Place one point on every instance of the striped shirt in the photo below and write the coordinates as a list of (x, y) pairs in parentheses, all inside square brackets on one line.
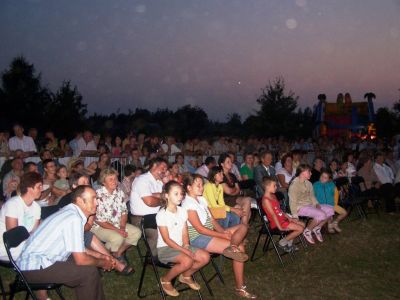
[(54, 240), (199, 205)]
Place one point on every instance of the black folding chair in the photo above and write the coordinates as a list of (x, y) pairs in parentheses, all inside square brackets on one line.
[(269, 239), (13, 238), (356, 198), (150, 259)]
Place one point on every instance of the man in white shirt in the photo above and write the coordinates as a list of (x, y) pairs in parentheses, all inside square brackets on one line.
[(86, 147), (204, 169), (386, 179), (170, 147), (145, 198), (22, 142)]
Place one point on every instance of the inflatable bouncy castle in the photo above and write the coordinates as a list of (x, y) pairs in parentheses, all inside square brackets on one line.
[(345, 118)]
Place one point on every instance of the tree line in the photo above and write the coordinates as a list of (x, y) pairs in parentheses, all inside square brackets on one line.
[(25, 99)]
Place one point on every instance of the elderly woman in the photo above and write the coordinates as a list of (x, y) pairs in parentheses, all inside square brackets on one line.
[(112, 215)]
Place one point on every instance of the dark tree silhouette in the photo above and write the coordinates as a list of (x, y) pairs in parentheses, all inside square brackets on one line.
[(23, 98), (66, 112), (277, 111)]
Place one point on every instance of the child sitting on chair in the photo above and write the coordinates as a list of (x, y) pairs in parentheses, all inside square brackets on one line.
[(277, 218), (173, 241)]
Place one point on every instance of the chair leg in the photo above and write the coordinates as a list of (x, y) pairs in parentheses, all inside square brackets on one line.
[(198, 292), (3, 291), (217, 271), (255, 246), (302, 241), (206, 282), (162, 293), (266, 243), (27, 296), (277, 252), (141, 280), (12, 290), (58, 291)]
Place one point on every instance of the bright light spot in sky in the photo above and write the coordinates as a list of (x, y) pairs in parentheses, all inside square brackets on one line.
[(291, 23), (141, 9), (301, 3), (239, 82)]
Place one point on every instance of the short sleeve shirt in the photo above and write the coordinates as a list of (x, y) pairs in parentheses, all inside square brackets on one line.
[(175, 223), (110, 207), (27, 216), (142, 186), (201, 207)]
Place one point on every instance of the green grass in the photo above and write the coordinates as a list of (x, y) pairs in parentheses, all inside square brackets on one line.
[(363, 262)]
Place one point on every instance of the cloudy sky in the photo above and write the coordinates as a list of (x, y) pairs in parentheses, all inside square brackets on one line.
[(216, 54)]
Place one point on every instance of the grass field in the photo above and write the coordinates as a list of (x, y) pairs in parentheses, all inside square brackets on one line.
[(363, 262)]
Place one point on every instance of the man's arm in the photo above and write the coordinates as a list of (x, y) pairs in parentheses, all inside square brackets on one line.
[(153, 200), (84, 259)]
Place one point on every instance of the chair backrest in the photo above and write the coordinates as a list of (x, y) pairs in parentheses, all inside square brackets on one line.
[(341, 181), (262, 214), (15, 236)]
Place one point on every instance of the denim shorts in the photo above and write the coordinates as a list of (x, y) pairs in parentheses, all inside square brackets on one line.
[(201, 241)]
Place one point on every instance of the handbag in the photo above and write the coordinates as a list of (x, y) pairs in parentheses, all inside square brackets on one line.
[(218, 212)]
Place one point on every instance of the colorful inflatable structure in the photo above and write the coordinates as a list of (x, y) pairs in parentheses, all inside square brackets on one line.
[(345, 118)]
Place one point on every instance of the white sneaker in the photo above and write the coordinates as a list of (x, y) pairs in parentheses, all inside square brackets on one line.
[(331, 229), (335, 226)]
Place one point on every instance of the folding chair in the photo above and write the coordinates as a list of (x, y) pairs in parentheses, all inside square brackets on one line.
[(150, 259), (270, 233), (351, 196), (13, 238)]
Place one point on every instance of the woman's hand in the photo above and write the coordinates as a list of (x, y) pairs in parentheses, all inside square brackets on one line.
[(227, 235), (237, 211), (122, 232), (188, 252)]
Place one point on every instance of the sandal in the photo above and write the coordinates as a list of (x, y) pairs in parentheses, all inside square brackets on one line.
[(233, 252), (190, 282), (173, 292), (242, 292), (128, 270), (121, 259)]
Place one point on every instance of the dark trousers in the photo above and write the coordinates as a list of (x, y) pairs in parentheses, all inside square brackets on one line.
[(387, 192), (85, 280), (151, 234)]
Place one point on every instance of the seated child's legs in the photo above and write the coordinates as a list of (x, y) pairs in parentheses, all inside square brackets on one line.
[(328, 210), (342, 213), (312, 212), (295, 231)]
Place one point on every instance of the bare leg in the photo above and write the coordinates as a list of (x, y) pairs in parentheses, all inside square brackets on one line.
[(296, 230), (183, 263), (218, 245), (122, 249), (201, 258), (245, 204), (239, 233)]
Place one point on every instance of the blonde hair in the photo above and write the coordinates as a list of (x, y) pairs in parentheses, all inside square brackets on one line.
[(105, 173)]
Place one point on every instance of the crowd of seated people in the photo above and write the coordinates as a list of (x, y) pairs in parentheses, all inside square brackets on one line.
[(210, 195)]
